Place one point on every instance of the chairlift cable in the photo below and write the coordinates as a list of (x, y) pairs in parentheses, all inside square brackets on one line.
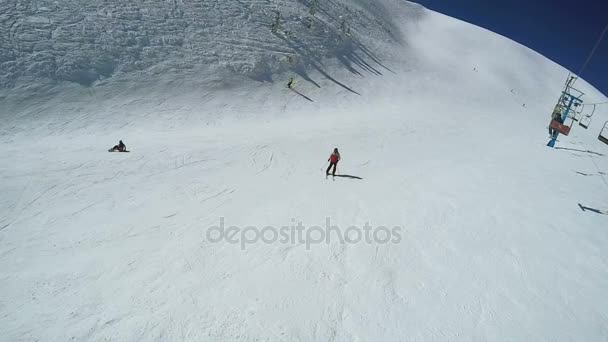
[(596, 104), (597, 44)]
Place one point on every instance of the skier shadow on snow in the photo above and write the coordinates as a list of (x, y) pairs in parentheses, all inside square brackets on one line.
[(304, 96), (349, 176), (597, 211)]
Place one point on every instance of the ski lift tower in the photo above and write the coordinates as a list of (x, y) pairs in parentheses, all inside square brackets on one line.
[(566, 106)]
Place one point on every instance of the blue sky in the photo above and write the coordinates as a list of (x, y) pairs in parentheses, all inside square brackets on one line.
[(564, 31)]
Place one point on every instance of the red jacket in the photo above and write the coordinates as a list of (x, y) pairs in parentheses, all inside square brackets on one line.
[(334, 158)]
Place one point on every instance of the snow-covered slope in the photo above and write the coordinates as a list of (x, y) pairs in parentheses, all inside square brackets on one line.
[(84, 41), (427, 111)]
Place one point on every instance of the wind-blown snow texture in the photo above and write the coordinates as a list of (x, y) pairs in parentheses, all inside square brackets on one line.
[(427, 110), (84, 41)]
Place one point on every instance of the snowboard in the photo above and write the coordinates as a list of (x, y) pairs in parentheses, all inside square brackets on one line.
[(111, 150)]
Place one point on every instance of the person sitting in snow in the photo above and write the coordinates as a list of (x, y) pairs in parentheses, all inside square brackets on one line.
[(333, 160), (121, 147)]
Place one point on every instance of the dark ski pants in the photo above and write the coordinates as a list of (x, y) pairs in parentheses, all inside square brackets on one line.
[(333, 173)]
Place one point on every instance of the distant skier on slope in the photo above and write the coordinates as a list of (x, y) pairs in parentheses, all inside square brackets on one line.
[(290, 83), (333, 160), (121, 147)]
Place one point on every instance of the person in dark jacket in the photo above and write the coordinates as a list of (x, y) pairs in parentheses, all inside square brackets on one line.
[(121, 147), (557, 116)]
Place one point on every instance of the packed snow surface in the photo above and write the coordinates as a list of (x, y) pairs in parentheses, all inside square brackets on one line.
[(441, 125)]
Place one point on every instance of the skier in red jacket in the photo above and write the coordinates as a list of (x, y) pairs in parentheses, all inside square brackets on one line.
[(333, 160)]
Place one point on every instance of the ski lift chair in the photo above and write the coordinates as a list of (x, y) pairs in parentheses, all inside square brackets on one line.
[(556, 125), (586, 119), (566, 108), (560, 127), (603, 137), (577, 112)]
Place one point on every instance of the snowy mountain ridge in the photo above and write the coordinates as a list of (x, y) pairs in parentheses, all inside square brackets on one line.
[(86, 41)]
